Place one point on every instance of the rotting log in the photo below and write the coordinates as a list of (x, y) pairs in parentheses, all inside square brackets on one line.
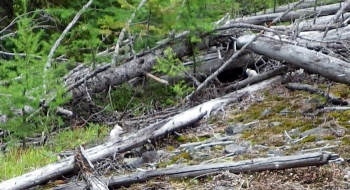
[(311, 61), (254, 165), (152, 132)]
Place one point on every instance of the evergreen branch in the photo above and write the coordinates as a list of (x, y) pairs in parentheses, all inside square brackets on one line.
[(14, 21), (11, 34), (122, 33), (58, 41)]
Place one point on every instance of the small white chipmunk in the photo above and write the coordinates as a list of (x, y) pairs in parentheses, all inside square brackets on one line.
[(115, 132), (251, 72)]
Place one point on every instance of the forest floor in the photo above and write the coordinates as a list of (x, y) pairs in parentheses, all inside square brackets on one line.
[(272, 122), (282, 122)]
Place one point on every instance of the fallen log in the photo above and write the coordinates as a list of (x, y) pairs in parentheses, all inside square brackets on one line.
[(311, 61), (292, 15), (152, 132), (318, 24), (303, 5), (255, 165), (341, 33)]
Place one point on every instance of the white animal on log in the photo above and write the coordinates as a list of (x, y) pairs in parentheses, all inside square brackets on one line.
[(115, 132), (251, 72)]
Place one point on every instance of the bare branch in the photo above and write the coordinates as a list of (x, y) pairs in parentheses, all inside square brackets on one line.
[(337, 15), (64, 33), (156, 78), (122, 33)]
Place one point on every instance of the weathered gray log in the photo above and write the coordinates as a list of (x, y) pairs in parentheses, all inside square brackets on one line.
[(152, 132), (311, 61), (318, 11), (255, 165), (312, 24), (341, 33), (303, 5)]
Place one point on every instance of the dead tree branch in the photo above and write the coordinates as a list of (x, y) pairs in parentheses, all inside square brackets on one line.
[(255, 165)]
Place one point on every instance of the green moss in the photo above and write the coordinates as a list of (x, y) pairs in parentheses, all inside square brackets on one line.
[(254, 111), (345, 124), (310, 138), (203, 138), (192, 138), (346, 140), (239, 117), (341, 90), (246, 134), (329, 137), (334, 114), (318, 121), (278, 98), (306, 127), (323, 86), (162, 164), (170, 148), (260, 139), (346, 114), (342, 117), (184, 155), (181, 138), (279, 107)]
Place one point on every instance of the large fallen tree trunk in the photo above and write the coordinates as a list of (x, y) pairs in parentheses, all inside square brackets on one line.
[(153, 132), (255, 165), (311, 61)]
